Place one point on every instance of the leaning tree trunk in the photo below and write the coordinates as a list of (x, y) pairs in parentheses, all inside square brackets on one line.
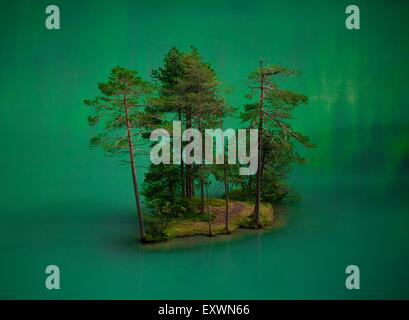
[(134, 177)]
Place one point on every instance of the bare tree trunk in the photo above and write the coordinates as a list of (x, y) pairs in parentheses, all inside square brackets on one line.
[(226, 183), (208, 214), (182, 174), (202, 195), (226, 197), (134, 177), (260, 146), (188, 185), (182, 179), (202, 173)]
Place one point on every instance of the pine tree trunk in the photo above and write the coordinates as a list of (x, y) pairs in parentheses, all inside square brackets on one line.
[(226, 196), (260, 145), (182, 179), (134, 177), (202, 195), (208, 214), (189, 173), (202, 173), (226, 184), (182, 174)]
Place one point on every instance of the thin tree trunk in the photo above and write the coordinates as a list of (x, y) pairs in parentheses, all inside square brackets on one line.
[(226, 196), (134, 177), (182, 179), (182, 174), (226, 184), (188, 184), (208, 213), (202, 173), (202, 195), (260, 144)]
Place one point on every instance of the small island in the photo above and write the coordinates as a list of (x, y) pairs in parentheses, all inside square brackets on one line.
[(240, 215), (198, 144)]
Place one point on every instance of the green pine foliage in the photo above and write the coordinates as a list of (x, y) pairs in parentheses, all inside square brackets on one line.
[(279, 139), (185, 88)]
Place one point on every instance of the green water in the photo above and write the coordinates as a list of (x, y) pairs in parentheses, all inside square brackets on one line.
[(63, 204)]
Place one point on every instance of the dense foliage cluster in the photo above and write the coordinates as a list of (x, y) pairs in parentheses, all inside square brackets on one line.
[(186, 89)]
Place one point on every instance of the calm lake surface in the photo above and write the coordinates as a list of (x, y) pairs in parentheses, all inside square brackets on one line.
[(62, 203)]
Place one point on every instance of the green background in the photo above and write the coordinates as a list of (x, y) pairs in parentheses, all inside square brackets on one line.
[(62, 203)]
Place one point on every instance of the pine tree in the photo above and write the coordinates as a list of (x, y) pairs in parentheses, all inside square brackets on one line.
[(197, 93), (167, 78), (271, 115), (188, 91), (122, 115)]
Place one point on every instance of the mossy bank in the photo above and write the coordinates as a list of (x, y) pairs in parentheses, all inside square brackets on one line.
[(240, 216)]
